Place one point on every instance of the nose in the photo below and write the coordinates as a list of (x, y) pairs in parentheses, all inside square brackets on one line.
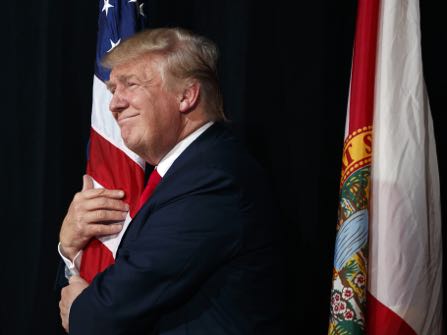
[(118, 103)]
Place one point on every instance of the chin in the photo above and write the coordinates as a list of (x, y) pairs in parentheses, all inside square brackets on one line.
[(133, 146), (130, 145), (128, 141)]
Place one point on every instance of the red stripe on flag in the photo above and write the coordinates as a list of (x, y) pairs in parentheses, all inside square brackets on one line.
[(381, 320), (113, 169), (106, 160), (96, 258), (361, 102)]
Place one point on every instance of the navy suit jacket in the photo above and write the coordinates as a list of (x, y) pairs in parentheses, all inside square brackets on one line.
[(198, 258)]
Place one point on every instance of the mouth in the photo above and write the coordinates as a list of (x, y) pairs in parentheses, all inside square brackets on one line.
[(123, 119)]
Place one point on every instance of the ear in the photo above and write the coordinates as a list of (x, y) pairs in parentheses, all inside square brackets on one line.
[(189, 97)]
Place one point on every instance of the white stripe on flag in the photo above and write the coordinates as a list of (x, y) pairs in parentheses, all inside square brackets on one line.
[(104, 123)]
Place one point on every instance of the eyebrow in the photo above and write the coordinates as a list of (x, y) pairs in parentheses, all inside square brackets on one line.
[(121, 78)]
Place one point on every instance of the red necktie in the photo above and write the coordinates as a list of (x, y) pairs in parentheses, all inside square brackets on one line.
[(152, 183), (96, 256)]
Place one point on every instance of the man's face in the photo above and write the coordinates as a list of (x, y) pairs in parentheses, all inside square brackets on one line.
[(147, 111)]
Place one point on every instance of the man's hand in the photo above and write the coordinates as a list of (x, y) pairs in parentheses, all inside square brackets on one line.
[(92, 213), (68, 295)]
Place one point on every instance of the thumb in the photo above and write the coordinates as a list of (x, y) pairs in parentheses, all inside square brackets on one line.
[(87, 182)]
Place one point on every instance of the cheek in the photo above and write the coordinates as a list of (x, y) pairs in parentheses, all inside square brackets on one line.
[(151, 110), (136, 103)]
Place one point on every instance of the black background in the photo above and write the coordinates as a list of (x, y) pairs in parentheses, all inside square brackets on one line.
[(284, 71)]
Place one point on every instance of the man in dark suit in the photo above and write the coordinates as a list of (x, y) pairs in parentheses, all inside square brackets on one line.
[(199, 257)]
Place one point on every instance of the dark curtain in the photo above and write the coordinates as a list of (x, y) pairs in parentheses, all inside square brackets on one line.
[(284, 71)]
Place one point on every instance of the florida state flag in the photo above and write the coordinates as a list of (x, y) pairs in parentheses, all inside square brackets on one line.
[(388, 258)]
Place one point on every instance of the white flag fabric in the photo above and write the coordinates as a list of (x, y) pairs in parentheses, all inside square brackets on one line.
[(405, 240)]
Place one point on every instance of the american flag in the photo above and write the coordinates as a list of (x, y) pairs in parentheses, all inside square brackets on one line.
[(110, 163)]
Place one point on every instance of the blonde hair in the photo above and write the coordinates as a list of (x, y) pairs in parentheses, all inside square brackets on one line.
[(185, 56)]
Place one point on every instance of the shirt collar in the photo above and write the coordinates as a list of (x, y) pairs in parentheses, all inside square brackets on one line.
[(172, 155)]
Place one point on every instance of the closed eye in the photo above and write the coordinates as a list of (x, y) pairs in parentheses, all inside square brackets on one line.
[(111, 87)]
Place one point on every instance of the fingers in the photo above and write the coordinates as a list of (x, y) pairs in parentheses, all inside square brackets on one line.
[(100, 192), (106, 203), (87, 182), (64, 310), (87, 185), (94, 206), (104, 216), (64, 318), (92, 213), (104, 229)]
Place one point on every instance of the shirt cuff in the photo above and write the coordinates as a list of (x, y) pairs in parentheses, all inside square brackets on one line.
[(71, 267)]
